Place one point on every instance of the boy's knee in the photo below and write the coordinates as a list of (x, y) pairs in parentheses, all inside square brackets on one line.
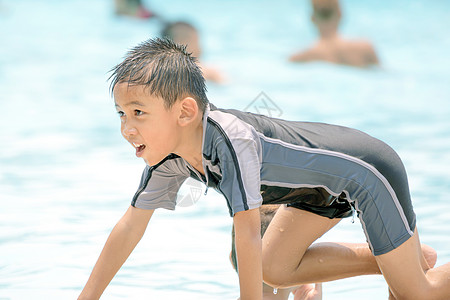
[(269, 270), (274, 275), (273, 279)]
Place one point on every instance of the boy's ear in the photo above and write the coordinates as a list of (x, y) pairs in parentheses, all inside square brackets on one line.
[(188, 111)]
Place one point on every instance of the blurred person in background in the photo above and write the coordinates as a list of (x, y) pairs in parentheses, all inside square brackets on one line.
[(132, 8), (184, 33), (332, 47)]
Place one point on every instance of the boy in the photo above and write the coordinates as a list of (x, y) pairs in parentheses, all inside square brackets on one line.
[(160, 96), (331, 46)]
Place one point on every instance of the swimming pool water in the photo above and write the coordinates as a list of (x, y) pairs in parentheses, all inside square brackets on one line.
[(66, 175)]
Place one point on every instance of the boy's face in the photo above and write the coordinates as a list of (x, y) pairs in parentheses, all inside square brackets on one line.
[(146, 123)]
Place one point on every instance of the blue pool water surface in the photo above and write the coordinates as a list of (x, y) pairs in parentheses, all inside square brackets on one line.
[(67, 176)]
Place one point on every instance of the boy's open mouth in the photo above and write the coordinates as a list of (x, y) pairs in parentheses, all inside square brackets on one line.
[(139, 149)]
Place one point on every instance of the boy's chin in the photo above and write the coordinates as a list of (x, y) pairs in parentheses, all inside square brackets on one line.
[(152, 161)]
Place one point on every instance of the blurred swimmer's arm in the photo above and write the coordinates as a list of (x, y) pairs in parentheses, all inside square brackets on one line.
[(121, 242), (212, 74), (361, 53), (304, 56), (247, 226), (371, 55)]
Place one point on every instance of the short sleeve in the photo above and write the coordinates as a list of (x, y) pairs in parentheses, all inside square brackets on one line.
[(240, 182), (160, 184), (238, 149)]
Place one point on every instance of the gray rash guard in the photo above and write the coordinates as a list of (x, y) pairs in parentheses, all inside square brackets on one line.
[(254, 159)]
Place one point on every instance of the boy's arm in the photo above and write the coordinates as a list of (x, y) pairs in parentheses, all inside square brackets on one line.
[(247, 226), (121, 242)]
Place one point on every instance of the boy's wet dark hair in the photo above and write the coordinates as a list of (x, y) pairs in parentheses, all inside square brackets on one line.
[(165, 69)]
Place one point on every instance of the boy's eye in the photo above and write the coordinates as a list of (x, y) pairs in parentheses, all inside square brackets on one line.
[(120, 113), (138, 112)]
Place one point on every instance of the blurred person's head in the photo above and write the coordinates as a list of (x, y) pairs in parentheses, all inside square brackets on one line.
[(185, 34), (326, 16)]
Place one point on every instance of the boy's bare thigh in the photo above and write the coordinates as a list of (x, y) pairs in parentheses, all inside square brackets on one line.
[(286, 240)]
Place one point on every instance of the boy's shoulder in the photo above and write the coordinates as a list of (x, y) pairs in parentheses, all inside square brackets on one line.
[(230, 123)]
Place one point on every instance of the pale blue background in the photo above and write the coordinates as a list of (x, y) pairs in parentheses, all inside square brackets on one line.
[(67, 176)]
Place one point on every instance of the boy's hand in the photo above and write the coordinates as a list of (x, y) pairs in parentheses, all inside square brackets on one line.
[(247, 226)]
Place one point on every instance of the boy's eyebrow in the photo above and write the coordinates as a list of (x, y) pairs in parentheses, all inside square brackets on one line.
[(137, 103)]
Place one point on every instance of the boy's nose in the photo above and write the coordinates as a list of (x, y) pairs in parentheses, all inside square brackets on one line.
[(128, 131)]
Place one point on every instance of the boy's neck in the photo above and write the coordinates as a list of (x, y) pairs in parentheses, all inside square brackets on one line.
[(191, 145)]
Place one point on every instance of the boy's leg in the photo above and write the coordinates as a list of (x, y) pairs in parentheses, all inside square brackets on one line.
[(403, 271), (287, 261)]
